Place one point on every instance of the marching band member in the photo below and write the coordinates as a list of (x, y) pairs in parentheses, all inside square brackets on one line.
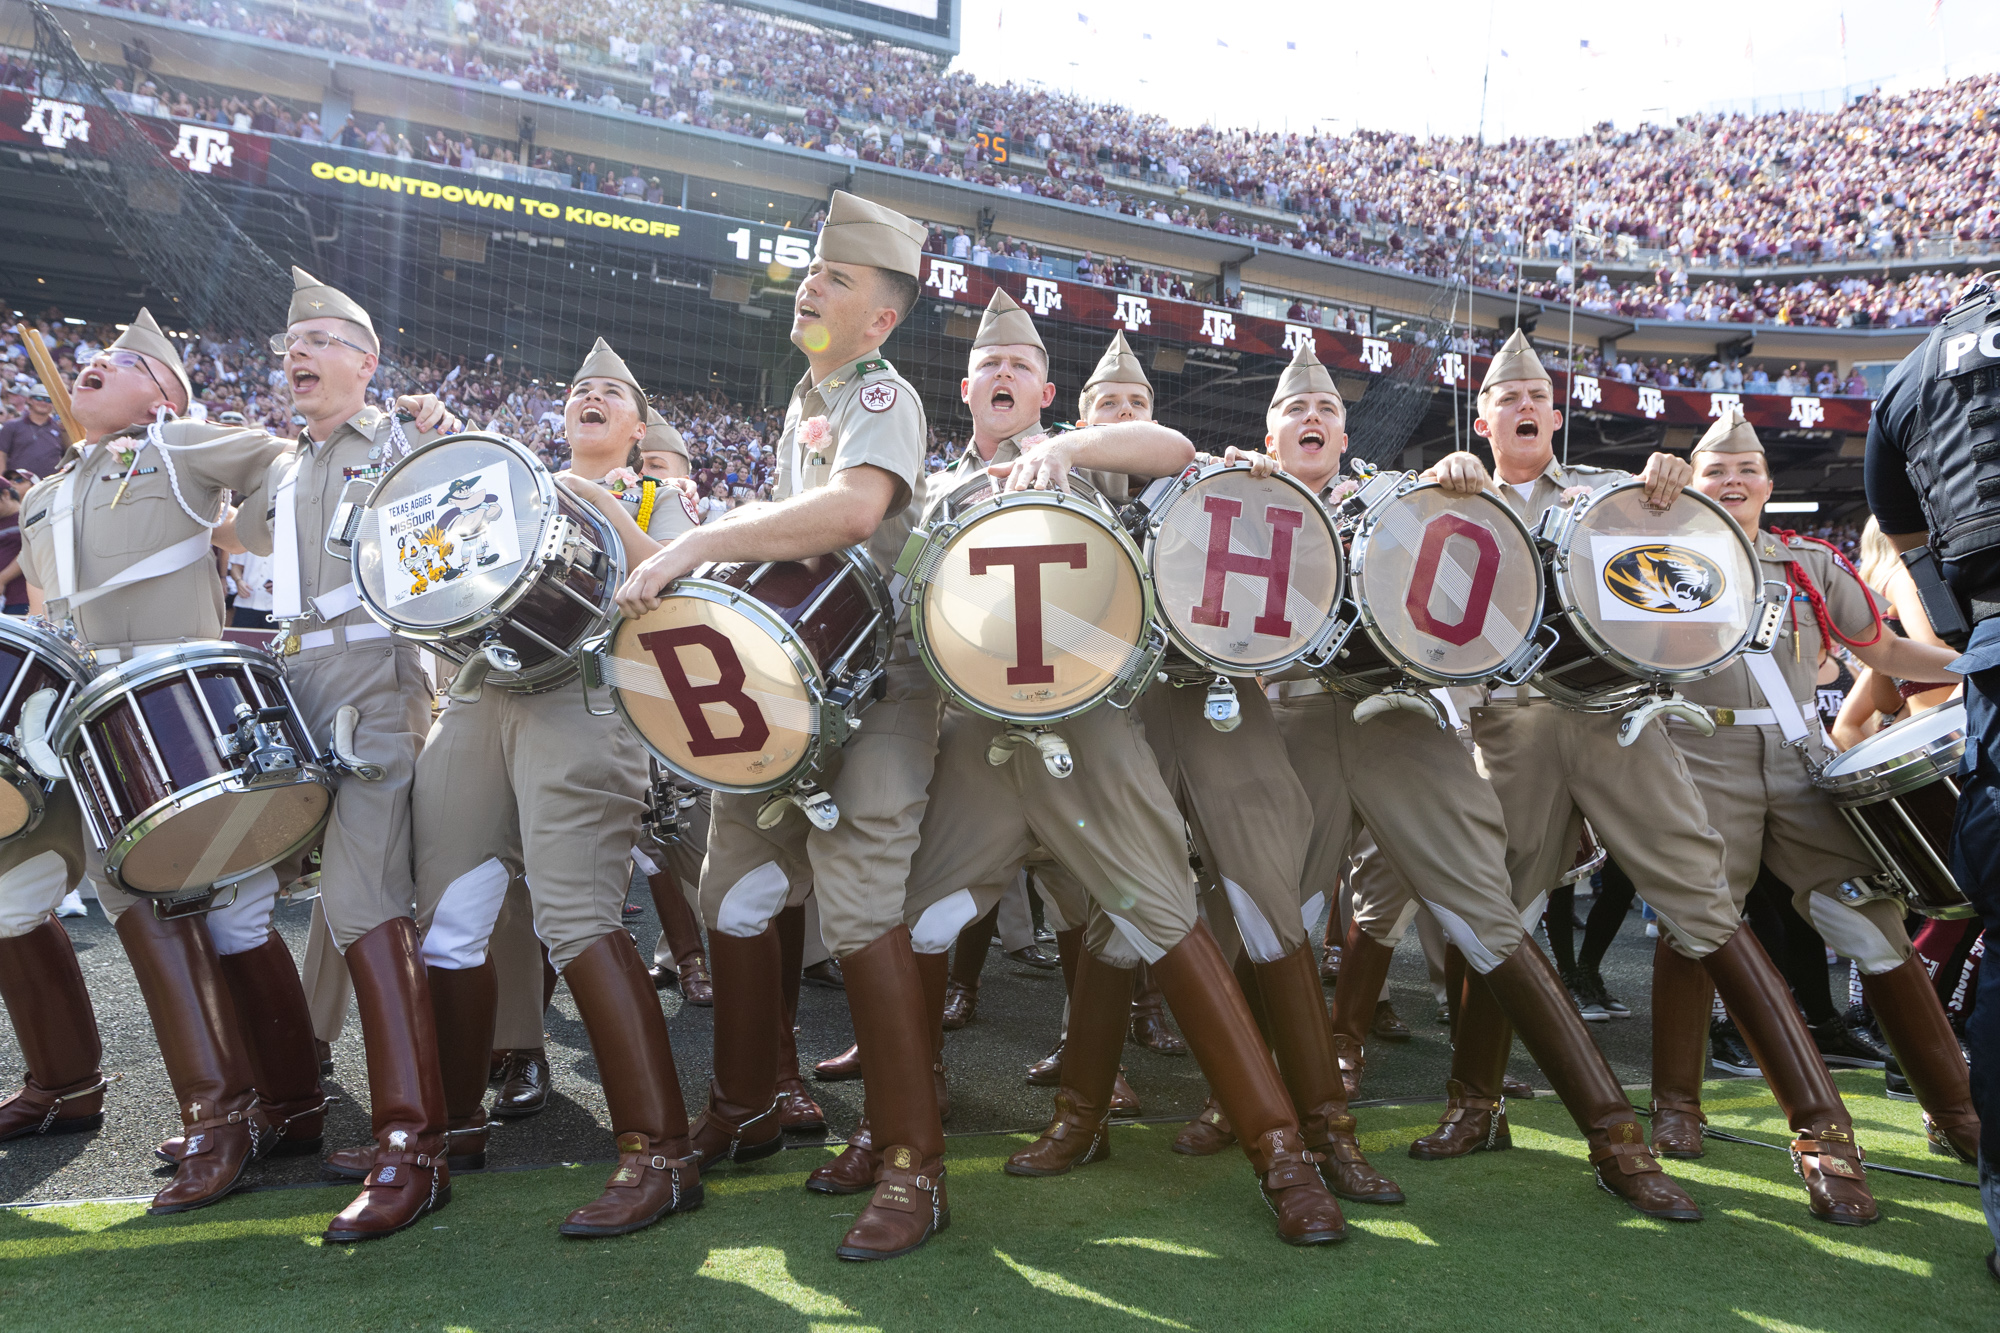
[(540, 768), (1113, 825), (118, 544), (850, 472), (1760, 797), (1547, 763), (330, 353), (1439, 824)]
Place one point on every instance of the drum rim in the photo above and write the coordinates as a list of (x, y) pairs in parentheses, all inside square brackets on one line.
[(1900, 773), (1097, 510), (1557, 570), (38, 638), (524, 580), (1370, 520), (34, 788), (1185, 481), (701, 589), (127, 836), (142, 669)]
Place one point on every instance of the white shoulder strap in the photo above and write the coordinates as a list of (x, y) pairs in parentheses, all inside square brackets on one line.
[(286, 603), (1770, 680), (166, 560), (62, 525)]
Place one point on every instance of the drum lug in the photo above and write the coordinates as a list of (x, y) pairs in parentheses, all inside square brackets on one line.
[(1324, 653), (1671, 704), (259, 741), (1522, 674), (815, 804), (1223, 709), (1776, 597)]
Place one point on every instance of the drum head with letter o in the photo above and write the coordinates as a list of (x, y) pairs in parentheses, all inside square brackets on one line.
[(1448, 585), (1246, 572), (1036, 607), (1668, 594), (717, 687)]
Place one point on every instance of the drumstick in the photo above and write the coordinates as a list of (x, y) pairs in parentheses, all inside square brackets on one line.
[(45, 369)]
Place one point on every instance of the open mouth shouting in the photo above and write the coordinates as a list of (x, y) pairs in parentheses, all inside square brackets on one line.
[(1527, 428), (1732, 494), (1312, 439), (91, 378), (1002, 400), (591, 414), (304, 381)]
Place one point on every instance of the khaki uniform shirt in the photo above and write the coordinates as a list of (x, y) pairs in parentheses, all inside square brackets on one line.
[(1548, 488), (969, 466), (1797, 648), (208, 462), (875, 418), (669, 515), (357, 452)]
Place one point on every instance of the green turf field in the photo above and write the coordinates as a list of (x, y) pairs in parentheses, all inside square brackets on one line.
[(1516, 1240)]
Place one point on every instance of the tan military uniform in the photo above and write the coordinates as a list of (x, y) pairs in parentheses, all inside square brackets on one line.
[(538, 780), (1758, 793), (879, 778), (1112, 824), (1547, 763), (344, 657), (160, 522)]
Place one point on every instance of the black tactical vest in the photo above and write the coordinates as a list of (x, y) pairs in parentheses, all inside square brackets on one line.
[(1955, 459)]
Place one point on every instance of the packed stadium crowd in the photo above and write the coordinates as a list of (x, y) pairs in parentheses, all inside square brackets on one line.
[(1860, 184)]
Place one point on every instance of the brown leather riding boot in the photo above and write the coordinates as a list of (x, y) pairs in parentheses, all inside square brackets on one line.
[(1364, 968), (271, 1006), (42, 987), (657, 1172), (682, 928), (1207, 1134), (853, 1169), (1682, 1000), (798, 1113), (1243, 1078), (1475, 1117), (933, 970), (741, 1122), (842, 1068), (1080, 1132), (1149, 1017), (410, 1178), (1303, 1037), (968, 960), (1825, 1153), (208, 1061), (1527, 987), (891, 1018), (1906, 1008)]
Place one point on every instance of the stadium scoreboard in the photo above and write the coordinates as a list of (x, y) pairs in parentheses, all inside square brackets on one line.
[(929, 25)]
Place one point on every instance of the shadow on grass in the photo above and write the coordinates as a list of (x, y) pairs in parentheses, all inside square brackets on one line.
[(1145, 1240)]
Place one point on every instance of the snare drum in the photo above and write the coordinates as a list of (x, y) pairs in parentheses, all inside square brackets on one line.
[(468, 546), (1590, 858), (747, 676), (193, 768), (37, 664), (1246, 571), (1899, 789), (1644, 597), (1449, 591), (1033, 606)]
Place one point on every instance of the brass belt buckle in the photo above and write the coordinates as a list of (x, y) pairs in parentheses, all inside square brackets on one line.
[(1726, 716)]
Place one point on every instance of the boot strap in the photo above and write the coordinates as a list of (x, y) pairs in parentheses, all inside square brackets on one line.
[(1211, 1115), (1681, 1104), (1634, 1159), (194, 1137), (903, 1190), (1832, 1154), (1460, 1107), (56, 1099)]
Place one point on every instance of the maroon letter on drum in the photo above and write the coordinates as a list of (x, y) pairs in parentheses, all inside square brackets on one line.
[(1471, 622), (1027, 562), (665, 647), (1275, 569)]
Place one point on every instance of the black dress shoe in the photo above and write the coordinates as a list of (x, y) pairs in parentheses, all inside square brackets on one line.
[(826, 974), (1036, 956), (1841, 1045), (664, 977), (1727, 1051), (524, 1085), (324, 1049)]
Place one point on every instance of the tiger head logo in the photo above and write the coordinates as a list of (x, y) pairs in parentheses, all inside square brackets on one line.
[(1664, 579)]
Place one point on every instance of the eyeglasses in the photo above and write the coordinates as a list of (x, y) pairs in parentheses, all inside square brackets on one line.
[(125, 360), (282, 343)]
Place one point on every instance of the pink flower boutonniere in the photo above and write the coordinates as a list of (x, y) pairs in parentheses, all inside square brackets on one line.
[(816, 434), (619, 479), (1342, 491), (1571, 494)]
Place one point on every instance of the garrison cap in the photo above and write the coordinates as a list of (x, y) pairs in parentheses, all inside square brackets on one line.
[(1005, 324), (313, 299), (1516, 360), (661, 437), (1731, 434), (859, 232), (143, 335), (1118, 365), (605, 364), (1304, 375)]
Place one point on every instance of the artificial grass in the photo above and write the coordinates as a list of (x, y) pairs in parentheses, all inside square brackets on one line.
[(1148, 1239)]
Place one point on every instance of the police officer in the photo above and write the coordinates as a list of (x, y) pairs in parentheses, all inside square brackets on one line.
[(856, 477), (1933, 476), (1549, 763), (119, 545), (1760, 797), (337, 657)]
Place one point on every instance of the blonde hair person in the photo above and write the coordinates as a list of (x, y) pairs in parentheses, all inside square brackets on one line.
[(1882, 569)]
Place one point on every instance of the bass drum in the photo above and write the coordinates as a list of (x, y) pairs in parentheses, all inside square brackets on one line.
[(747, 676), (43, 672), (193, 767), (1033, 606), (1899, 791), (1246, 571), (469, 547), (1643, 597), (1449, 591)]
